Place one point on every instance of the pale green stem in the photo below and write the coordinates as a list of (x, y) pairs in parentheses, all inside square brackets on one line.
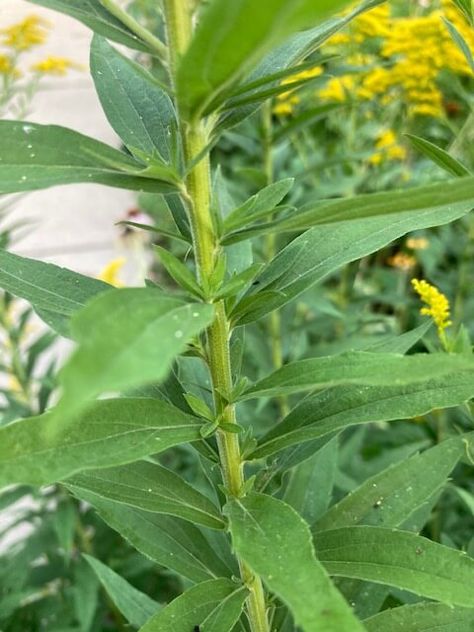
[(140, 31), (198, 190), (274, 323)]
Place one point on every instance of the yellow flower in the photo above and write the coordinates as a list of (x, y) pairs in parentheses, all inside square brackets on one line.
[(110, 273), (387, 148), (6, 65), (417, 243), (32, 31), (286, 101), (54, 66), (438, 304), (402, 261)]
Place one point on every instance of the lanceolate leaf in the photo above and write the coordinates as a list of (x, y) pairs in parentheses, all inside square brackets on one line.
[(127, 338), (94, 15), (212, 606), (47, 286), (36, 156), (169, 541), (438, 156), (151, 487), (137, 107), (392, 496), (274, 540), (323, 249), (400, 559), (340, 407), (135, 606), (422, 617), (294, 50), (219, 55), (111, 432), (358, 367)]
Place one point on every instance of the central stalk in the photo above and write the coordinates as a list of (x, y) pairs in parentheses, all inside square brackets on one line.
[(178, 17)]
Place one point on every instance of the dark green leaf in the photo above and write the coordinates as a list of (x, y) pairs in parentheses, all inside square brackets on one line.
[(127, 338), (135, 606), (400, 559), (219, 55), (47, 286), (96, 17), (336, 408), (137, 107), (40, 156), (151, 487), (214, 606), (358, 367), (111, 432), (275, 542), (392, 496), (422, 617), (169, 541), (323, 249), (438, 156)]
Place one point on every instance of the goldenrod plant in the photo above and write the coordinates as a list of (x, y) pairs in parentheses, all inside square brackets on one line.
[(253, 539)]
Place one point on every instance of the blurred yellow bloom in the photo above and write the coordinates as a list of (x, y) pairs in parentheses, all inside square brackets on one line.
[(417, 243), (387, 148), (54, 66), (402, 261), (414, 50), (286, 101), (438, 304), (6, 65), (30, 32), (111, 271)]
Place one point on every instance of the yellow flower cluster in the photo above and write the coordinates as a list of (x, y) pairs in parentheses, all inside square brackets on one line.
[(30, 32), (402, 261), (7, 66), (387, 148), (404, 57), (286, 101), (54, 66), (413, 51), (438, 304)]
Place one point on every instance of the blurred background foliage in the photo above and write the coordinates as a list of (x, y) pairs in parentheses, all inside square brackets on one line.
[(344, 126)]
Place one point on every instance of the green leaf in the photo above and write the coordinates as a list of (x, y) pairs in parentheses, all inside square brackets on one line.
[(293, 51), (179, 272), (259, 205), (40, 156), (135, 606), (218, 54), (321, 250), (151, 487), (173, 543), (337, 408), (239, 282), (94, 15), (213, 606), (275, 542), (358, 367), (47, 286), (401, 559), (111, 432), (463, 46), (127, 338), (310, 484), (438, 156), (137, 107), (390, 497), (422, 617)]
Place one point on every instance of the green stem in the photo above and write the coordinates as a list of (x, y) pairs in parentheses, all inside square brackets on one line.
[(136, 28), (206, 249), (274, 323)]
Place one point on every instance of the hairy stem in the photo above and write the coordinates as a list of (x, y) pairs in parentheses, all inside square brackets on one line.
[(206, 249)]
